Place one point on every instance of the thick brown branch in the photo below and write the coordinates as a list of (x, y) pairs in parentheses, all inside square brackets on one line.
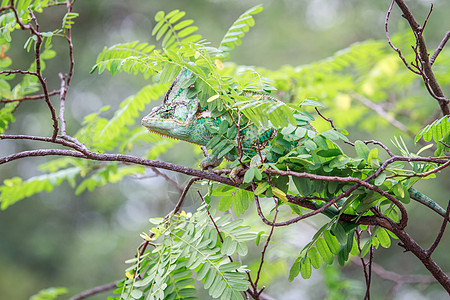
[(411, 245), (397, 229)]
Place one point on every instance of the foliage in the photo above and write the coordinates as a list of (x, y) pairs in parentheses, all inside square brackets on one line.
[(190, 243), (235, 33), (439, 131)]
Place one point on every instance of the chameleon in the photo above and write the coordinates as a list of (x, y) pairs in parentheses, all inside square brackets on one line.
[(181, 117)]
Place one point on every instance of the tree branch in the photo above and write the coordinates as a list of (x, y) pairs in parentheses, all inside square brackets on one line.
[(35, 31), (96, 290), (441, 232), (423, 57), (382, 113), (440, 47), (32, 97)]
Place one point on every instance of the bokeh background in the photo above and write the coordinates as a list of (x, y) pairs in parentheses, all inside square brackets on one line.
[(60, 239)]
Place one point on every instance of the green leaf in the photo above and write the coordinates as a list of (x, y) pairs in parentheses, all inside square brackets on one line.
[(295, 270), (329, 152), (159, 16), (314, 256), (362, 150), (237, 30), (379, 180), (383, 237), (49, 294), (401, 192), (332, 242), (279, 194), (230, 267), (209, 279), (261, 188), (324, 251), (249, 175), (225, 203), (303, 185), (372, 158), (305, 268), (229, 246), (203, 270)]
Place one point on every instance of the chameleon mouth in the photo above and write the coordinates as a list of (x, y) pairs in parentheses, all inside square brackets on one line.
[(162, 134), (171, 137), (156, 120)]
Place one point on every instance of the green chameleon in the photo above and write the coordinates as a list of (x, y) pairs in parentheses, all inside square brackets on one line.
[(181, 117)]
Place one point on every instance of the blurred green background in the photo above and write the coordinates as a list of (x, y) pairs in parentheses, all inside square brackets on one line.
[(78, 242)]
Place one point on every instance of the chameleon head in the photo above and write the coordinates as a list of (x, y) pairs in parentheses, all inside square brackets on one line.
[(176, 117), (171, 120)]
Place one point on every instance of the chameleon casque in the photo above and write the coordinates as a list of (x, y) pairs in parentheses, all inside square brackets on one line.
[(181, 117)]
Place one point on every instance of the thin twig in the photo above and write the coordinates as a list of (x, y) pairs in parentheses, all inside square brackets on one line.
[(62, 100), (326, 119), (69, 41), (6, 7), (35, 31), (440, 47), (397, 279), (382, 113), (32, 97), (182, 197), (425, 174), (386, 22), (369, 272), (212, 220), (426, 19), (403, 220), (168, 179), (9, 72), (96, 290), (263, 253), (363, 263), (441, 232), (381, 145), (59, 141)]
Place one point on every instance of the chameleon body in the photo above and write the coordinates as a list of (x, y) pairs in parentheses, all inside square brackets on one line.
[(181, 117)]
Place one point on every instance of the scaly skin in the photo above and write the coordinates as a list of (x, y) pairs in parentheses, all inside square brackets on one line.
[(181, 117)]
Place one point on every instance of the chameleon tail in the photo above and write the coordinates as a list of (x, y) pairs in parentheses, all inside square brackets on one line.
[(427, 201)]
